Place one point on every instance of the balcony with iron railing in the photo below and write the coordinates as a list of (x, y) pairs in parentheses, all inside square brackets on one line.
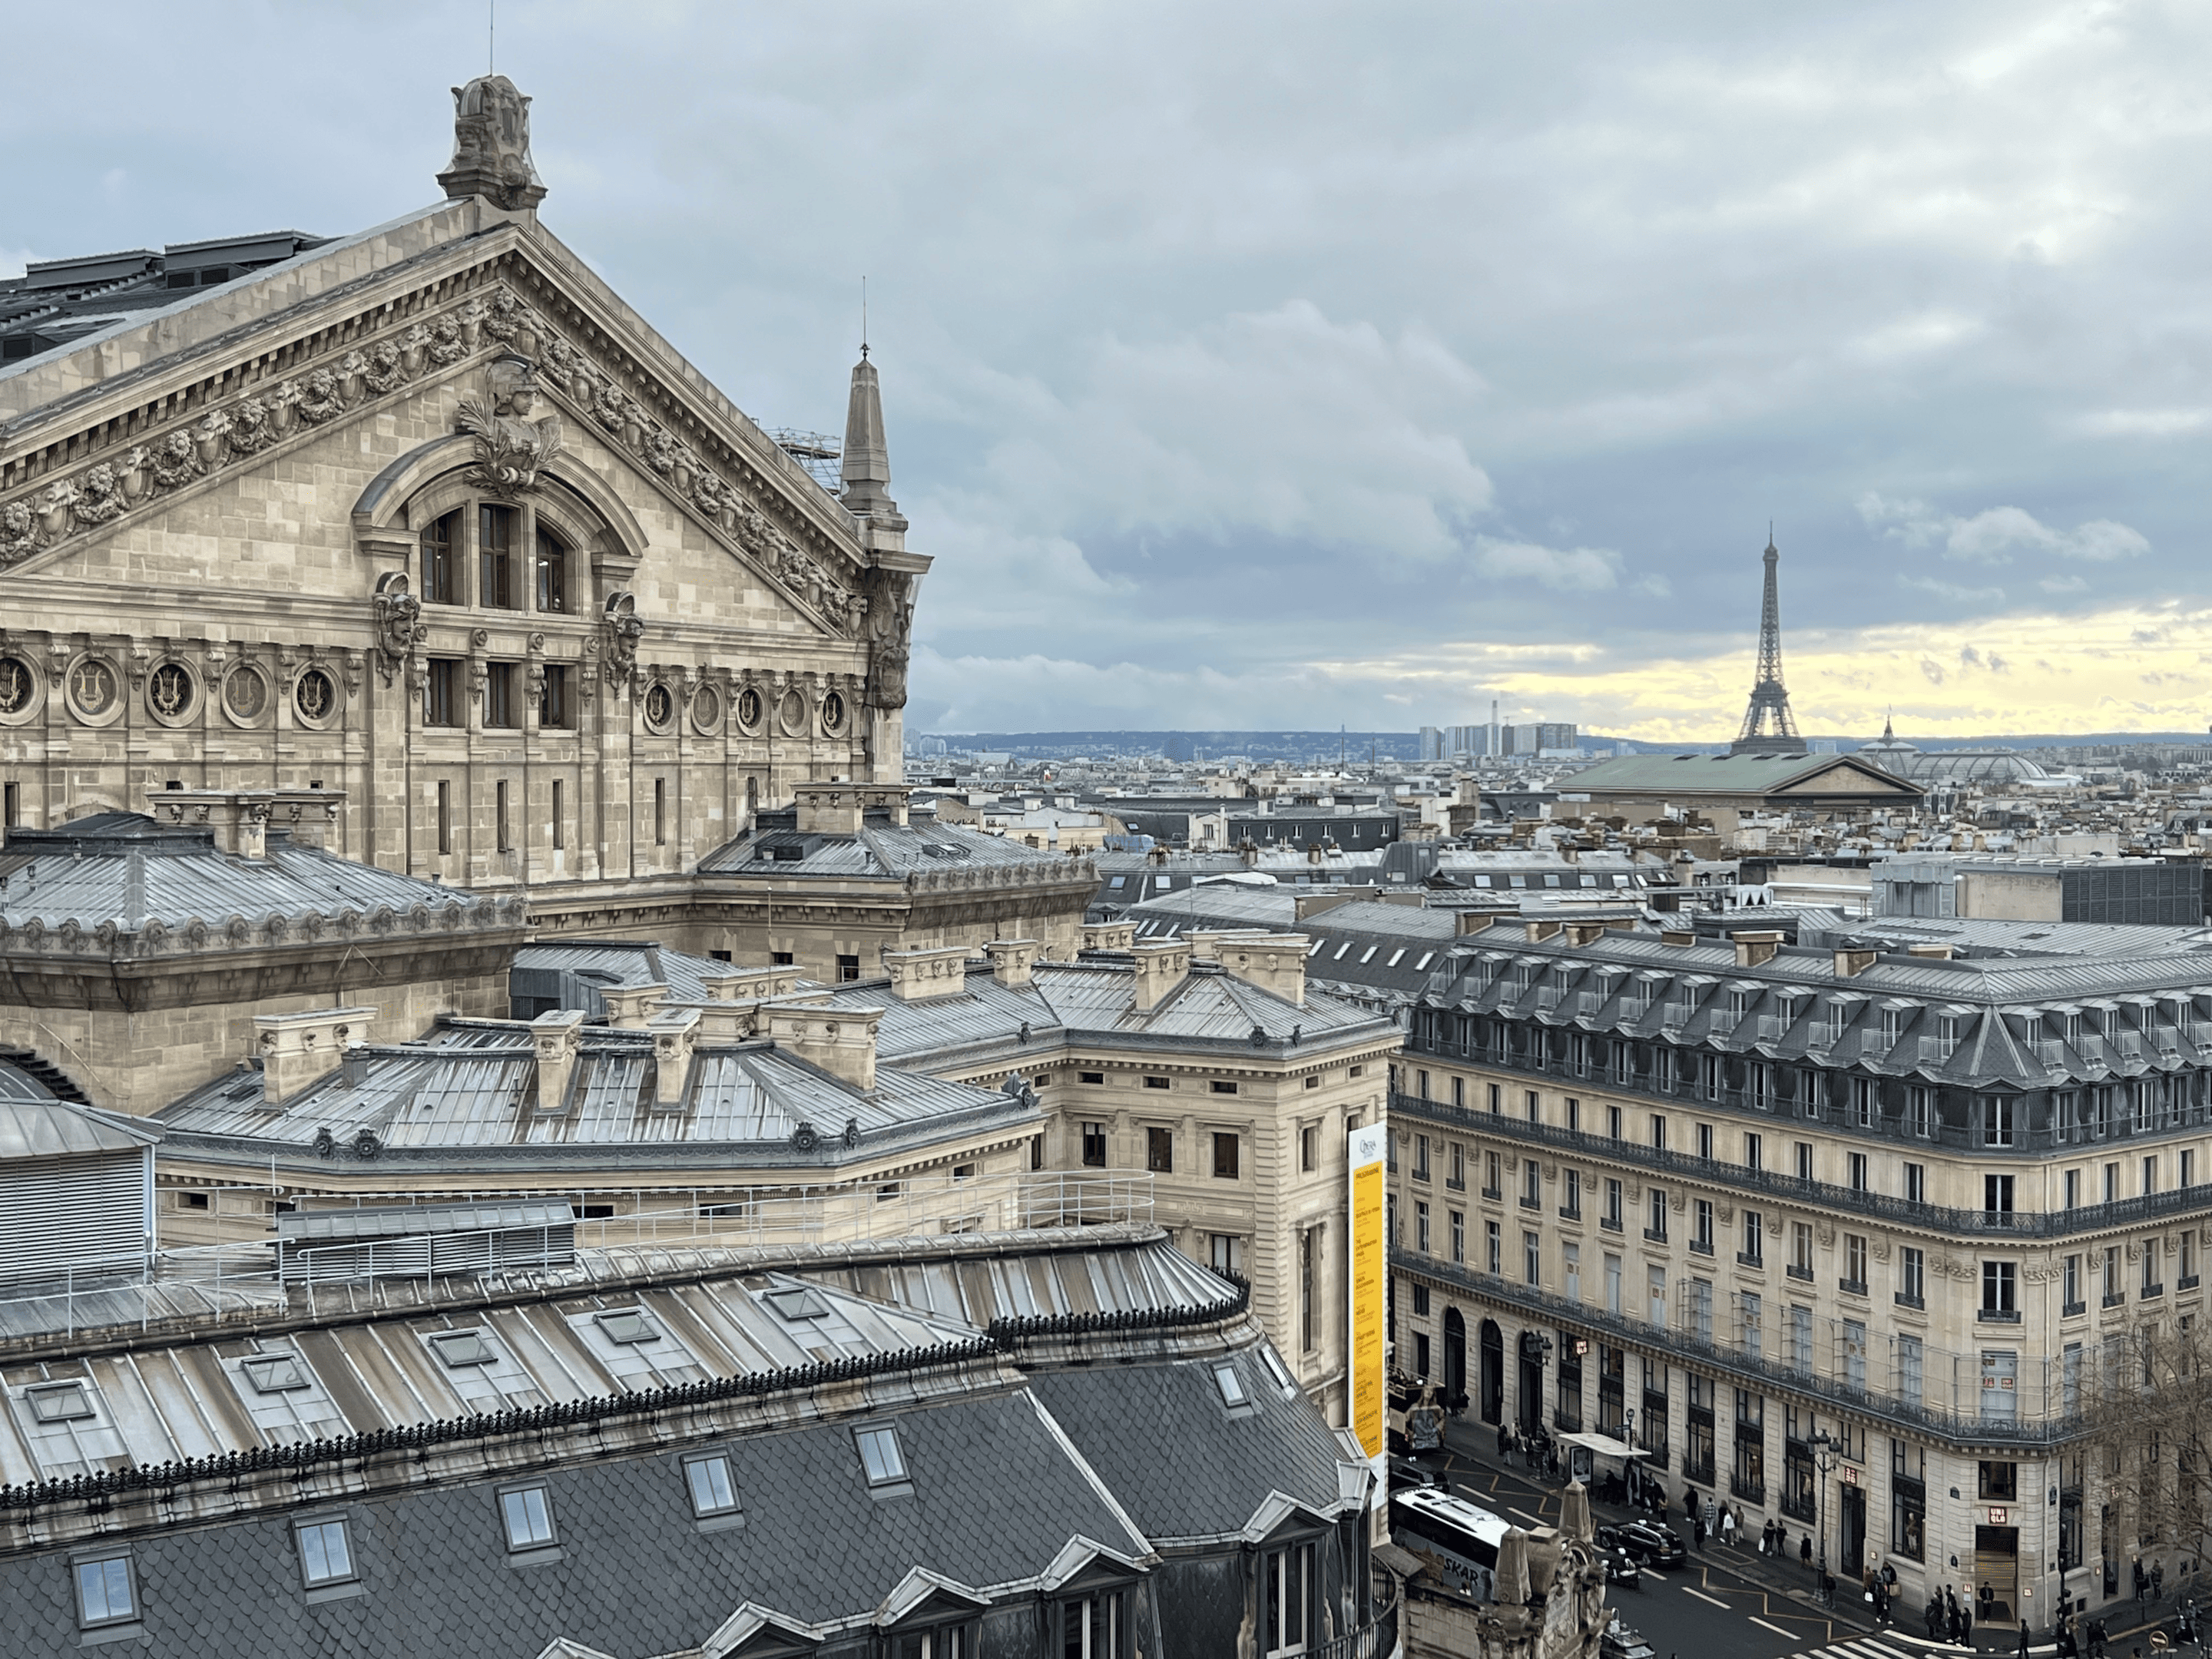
[(2119, 1214), (1969, 1406)]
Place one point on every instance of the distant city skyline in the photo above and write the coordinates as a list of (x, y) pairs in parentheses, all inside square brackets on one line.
[(1387, 371)]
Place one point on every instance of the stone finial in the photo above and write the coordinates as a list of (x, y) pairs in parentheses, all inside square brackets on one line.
[(1513, 1568), (491, 146), (1574, 1512), (867, 467)]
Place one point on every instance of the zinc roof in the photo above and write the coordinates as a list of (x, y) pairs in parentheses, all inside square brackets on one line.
[(1730, 775), (31, 1127)]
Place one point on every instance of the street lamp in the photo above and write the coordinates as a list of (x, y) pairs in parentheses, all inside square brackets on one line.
[(1824, 1460), (1634, 1478)]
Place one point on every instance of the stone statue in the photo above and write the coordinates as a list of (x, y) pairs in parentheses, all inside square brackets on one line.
[(890, 628), (491, 146), (512, 448), (398, 622)]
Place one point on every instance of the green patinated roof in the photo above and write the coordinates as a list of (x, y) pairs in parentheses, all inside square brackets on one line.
[(1732, 774)]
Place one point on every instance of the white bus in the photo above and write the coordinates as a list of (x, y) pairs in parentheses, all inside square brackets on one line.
[(1463, 1536)]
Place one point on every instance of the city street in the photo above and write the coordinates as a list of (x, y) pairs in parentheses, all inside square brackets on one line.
[(1722, 1604)]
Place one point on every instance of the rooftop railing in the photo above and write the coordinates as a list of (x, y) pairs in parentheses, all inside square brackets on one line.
[(2118, 1214)]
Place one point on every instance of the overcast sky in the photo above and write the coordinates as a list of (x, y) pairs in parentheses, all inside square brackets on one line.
[(1283, 365)]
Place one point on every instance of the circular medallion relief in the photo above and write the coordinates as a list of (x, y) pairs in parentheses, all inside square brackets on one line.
[(315, 696), (749, 709), (171, 692), (19, 687), (244, 694), (95, 688), (706, 709), (791, 712), (659, 706), (833, 714)]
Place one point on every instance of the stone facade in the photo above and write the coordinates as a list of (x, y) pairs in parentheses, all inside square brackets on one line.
[(429, 515)]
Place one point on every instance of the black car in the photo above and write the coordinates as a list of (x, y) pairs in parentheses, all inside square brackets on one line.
[(1649, 1545)]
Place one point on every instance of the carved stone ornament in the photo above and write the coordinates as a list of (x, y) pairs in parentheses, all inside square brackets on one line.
[(491, 146), (1882, 1247), (398, 623), (512, 448), (1827, 1234), (623, 628), (888, 612)]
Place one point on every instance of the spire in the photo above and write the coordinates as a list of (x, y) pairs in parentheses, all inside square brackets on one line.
[(866, 468), (1768, 728)]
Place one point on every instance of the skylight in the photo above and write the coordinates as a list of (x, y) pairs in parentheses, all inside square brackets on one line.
[(459, 1348), (796, 1302), (60, 1402), (273, 1373), (1282, 1372), (629, 1325), (880, 1455), (1231, 1384)]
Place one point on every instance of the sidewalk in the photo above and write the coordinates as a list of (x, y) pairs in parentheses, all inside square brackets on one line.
[(1473, 1448)]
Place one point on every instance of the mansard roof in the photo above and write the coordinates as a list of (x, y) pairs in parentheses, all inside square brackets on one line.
[(1009, 1416), (883, 849), (468, 1096)]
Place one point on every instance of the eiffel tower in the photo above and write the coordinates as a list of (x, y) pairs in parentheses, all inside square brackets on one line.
[(1767, 728)]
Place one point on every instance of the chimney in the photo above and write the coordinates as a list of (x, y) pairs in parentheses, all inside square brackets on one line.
[(919, 976), (1011, 961), (1536, 932), (241, 818), (1472, 921), (1584, 932), (1850, 965), (1754, 949), (840, 1041), (1247, 854), (1681, 939), (558, 1036), (631, 1007), (752, 984), (1205, 943), (297, 1049), (1929, 952), (1161, 964), (1273, 962), (1109, 935), (675, 1034), (838, 809)]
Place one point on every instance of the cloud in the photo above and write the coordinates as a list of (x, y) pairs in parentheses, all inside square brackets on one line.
[(1567, 570), (1952, 592), (2068, 584), (1992, 536), (2141, 423)]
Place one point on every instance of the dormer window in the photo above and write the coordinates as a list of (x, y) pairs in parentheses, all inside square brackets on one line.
[(60, 1402)]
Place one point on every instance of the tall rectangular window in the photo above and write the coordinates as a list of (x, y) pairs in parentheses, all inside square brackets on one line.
[(1655, 1227), (1997, 1288), (559, 817), (1915, 1183), (553, 697), (660, 812), (1159, 1151), (1421, 1227), (441, 553), (552, 571), (1494, 1241), (1458, 1237), (1855, 1261), (498, 816), (1310, 1289), (11, 806), (1911, 1281), (1532, 1257), (495, 558), (499, 696), (441, 696), (445, 816), (1224, 1157)]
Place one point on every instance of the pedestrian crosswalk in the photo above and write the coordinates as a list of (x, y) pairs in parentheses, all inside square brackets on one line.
[(1866, 1647)]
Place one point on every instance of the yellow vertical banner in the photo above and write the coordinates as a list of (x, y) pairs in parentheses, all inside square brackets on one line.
[(1369, 1288)]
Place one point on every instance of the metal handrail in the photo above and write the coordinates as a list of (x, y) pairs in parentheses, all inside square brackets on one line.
[(2014, 1223), (1962, 1428)]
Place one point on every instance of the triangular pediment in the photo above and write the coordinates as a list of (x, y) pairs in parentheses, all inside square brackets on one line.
[(1083, 1562), (923, 1596), (123, 426), (756, 1632)]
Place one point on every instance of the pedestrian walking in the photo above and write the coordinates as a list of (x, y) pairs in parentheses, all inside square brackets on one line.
[(1805, 1551), (2023, 1639), (1728, 1527), (1504, 1446), (1698, 1529), (2157, 1580), (1966, 1622), (1934, 1615)]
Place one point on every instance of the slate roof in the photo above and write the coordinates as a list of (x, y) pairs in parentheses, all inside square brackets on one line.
[(1691, 776), (1124, 1420), (471, 1087), (1008, 1458), (1093, 1000), (775, 846), (125, 868)]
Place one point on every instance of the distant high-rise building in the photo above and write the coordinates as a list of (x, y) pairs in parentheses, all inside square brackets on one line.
[(1182, 747), (1523, 740), (1821, 746), (1470, 741), (1432, 744), (1555, 735)]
